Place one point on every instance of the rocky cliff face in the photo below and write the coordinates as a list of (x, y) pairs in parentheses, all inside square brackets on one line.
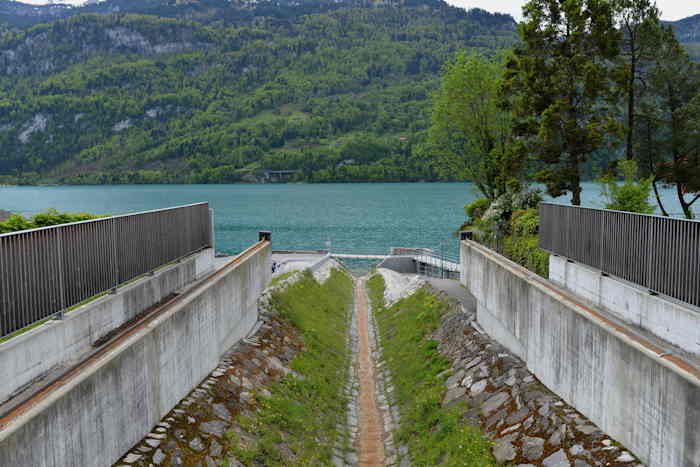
[(50, 48), (688, 29)]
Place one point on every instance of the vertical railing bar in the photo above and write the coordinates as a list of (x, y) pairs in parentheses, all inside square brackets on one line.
[(46, 271), (4, 293)]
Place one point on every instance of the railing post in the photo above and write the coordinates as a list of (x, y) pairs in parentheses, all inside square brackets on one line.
[(115, 258), (212, 238), (61, 279)]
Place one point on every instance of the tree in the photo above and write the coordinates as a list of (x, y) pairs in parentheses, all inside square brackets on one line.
[(470, 132), (638, 21), (632, 195), (559, 83), (669, 133)]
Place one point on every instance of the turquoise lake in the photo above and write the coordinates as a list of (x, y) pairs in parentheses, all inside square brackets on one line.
[(367, 217)]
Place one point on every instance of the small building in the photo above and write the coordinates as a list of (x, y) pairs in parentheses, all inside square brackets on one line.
[(4, 215)]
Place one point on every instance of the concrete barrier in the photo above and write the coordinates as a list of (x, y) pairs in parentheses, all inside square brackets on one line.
[(112, 401), (37, 352), (670, 319), (647, 400)]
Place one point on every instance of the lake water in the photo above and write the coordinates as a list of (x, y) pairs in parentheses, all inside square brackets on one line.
[(369, 217)]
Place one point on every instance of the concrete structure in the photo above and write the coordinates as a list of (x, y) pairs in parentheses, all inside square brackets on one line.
[(107, 404), (630, 387), (424, 265), (669, 319), (55, 345)]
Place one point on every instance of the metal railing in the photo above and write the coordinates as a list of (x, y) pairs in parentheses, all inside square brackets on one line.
[(45, 271), (661, 254)]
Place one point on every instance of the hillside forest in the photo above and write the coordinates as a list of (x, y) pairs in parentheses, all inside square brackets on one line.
[(212, 91)]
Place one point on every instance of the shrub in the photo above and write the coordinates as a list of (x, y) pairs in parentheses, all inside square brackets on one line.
[(43, 219), (477, 208), (632, 195)]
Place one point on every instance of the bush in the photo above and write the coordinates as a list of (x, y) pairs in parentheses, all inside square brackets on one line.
[(43, 219), (525, 251), (477, 209), (632, 195), (525, 222)]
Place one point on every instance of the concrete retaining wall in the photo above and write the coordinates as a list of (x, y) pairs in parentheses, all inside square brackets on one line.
[(34, 353), (649, 402), (402, 264), (95, 417), (669, 319)]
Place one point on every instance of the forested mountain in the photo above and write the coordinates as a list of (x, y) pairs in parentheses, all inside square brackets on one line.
[(688, 33), (334, 91)]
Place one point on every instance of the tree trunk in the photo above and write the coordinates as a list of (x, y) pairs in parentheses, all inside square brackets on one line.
[(630, 120), (687, 212), (576, 195), (658, 199), (575, 180)]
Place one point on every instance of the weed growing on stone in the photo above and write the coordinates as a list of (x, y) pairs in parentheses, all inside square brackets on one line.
[(297, 424), (435, 435)]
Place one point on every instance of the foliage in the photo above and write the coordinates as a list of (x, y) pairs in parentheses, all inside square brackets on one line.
[(341, 94), (43, 219), (470, 132), (435, 435), (638, 21), (558, 83), (669, 141), (525, 222), (477, 208), (304, 410), (632, 195), (510, 225), (522, 245)]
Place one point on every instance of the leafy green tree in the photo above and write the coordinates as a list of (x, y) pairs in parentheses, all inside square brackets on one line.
[(669, 133), (638, 20), (632, 195), (470, 132), (559, 86)]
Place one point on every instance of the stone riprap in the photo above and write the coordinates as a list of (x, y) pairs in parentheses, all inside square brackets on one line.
[(389, 408), (529, 425), (194, 432)]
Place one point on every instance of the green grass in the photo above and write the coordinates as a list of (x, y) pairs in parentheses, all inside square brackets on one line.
[(433, 434), (302, 413), (277, 279)]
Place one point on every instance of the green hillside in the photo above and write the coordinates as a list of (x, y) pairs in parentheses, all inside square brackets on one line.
[(335, 95)]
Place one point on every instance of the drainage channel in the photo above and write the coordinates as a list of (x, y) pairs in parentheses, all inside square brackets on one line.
[(372, 434)]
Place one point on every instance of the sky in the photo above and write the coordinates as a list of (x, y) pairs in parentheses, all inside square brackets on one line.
[(671, 10)]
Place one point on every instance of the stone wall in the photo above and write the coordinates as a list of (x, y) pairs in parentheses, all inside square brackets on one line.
[(648, 401), (530, 426), (93, 417)]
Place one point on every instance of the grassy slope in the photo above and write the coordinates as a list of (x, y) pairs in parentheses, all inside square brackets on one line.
[(302, 413), (434, 435)]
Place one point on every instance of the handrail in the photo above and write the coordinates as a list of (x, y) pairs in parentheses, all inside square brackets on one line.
[(47, 270)]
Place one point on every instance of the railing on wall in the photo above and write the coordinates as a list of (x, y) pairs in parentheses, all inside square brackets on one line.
[(661, 254), (45, 271)]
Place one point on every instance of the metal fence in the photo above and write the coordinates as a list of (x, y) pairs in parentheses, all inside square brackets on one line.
[(45, 271), (661, 254)]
